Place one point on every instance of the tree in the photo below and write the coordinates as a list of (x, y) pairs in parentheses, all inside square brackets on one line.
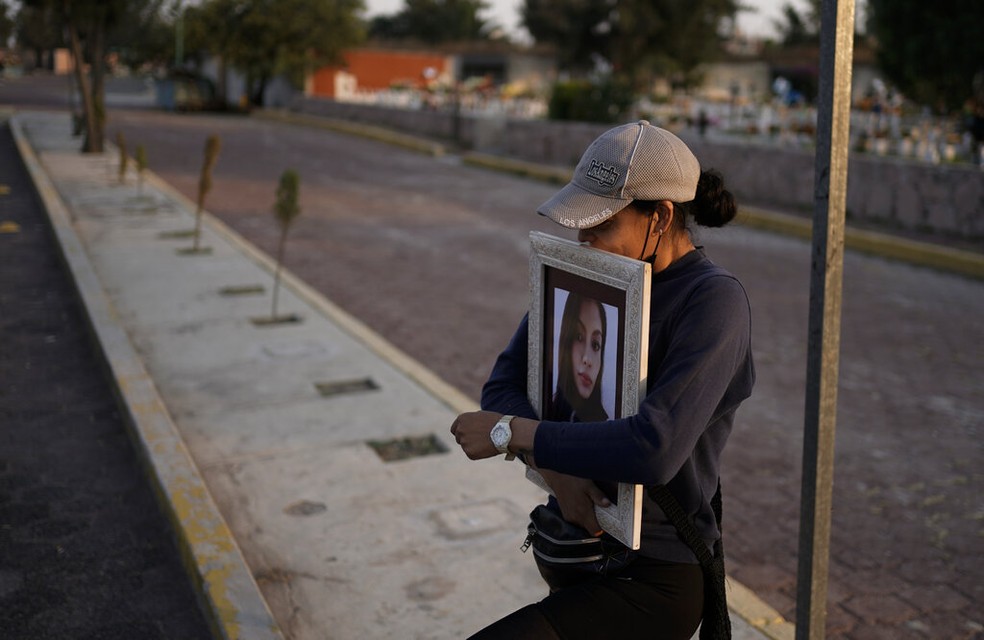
[(36, 29), (213, 28), (6, 24), (930, 51), (799, 28), (637, 39), (121, 146), (212, 146), (579, 29), (286, 208), (140, 156), (266, 38), (144, 34), (668, 38), (433, 22), (87, 24)]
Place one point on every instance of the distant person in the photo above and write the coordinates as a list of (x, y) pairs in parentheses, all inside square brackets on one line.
[(635, 192), (702, 122), (975, 118), (580, 362)]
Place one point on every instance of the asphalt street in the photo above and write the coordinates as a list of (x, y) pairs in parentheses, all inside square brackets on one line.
[(85, 551)]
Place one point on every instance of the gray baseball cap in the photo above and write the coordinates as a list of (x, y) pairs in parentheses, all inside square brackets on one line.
[(636, 161)]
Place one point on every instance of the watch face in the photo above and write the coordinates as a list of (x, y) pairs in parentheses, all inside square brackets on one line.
[(499, 436)]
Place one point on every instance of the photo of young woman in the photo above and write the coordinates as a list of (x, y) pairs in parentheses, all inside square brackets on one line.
[(585, 386)]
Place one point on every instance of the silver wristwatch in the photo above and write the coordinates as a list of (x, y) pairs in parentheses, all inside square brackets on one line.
[(501, 434)]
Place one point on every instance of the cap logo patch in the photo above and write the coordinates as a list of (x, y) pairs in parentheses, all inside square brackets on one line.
[(604, 175)]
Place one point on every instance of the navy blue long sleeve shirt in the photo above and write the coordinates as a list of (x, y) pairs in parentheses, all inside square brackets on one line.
[(700, 369)]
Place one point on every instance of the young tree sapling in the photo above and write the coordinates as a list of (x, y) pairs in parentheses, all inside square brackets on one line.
[(286, 209)]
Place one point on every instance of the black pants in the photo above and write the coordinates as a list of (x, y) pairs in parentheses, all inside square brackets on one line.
[(648, 599)]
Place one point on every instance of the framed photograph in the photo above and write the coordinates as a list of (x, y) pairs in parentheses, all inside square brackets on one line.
[(589, 339)]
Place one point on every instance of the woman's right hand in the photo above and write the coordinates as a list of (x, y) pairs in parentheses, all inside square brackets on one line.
[(577, 498)]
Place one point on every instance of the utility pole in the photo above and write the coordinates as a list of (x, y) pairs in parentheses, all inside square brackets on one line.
[(823, 351)]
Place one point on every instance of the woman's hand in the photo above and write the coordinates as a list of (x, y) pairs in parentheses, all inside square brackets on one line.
[(471, 432), (577, 498)]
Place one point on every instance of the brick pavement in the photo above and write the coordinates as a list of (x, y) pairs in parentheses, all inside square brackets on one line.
[(85, 551)]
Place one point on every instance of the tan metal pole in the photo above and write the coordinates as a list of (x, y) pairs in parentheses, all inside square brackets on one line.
[(830, 192)]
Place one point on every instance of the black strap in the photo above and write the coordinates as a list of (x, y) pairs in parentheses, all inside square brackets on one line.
[(716, 622), (671, 507)]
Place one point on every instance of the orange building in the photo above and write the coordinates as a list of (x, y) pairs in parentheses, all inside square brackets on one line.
[(377, 69)]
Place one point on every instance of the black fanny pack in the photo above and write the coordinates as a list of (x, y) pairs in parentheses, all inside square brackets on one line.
[(566, 553)]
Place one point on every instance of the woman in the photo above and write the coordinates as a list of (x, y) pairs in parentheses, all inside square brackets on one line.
[(634, 193), (581, 358)]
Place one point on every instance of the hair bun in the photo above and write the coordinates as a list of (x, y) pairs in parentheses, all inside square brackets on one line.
[(714, 206)]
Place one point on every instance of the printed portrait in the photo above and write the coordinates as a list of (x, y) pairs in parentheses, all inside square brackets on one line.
[(589, 310)]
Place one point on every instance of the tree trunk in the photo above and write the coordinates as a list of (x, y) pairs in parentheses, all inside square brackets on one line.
[(257, 94), (276, 276), (222, 84), (88, 108), (94, 143)]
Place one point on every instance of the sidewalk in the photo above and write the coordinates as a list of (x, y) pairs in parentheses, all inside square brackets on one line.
[(258, 433)]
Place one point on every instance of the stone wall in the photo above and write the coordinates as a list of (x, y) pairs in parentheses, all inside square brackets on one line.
[(905, 194)]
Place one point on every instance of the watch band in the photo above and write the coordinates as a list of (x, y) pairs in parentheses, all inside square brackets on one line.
[(505, 422)]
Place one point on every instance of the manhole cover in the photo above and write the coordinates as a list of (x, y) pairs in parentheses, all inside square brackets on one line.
[(408, 447), (341, 387), (272, 321), (242, 290), (294, 348), (305, 508), (471, 520)]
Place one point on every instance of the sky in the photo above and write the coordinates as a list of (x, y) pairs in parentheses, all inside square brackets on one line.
[(505, 13)]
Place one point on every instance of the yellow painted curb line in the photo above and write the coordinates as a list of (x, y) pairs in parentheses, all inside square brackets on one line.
[(232, 601), (878, 244), (883, 245), (545, 173), (364, 130), (755, 612)]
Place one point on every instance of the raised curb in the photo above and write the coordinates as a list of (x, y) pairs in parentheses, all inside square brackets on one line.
[(231, 598), (923, 254), (381, 134), (545, 173), (879, 244)]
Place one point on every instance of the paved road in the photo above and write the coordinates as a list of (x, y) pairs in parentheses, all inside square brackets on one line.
[(433, 255), (85, 551)]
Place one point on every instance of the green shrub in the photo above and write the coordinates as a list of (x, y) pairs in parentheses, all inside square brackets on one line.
[(605, 101)]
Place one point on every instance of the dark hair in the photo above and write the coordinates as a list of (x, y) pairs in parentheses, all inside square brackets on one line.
[(589, 409), (712, 206)]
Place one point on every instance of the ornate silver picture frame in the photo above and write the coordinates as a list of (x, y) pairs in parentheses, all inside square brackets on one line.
[(606, 296)]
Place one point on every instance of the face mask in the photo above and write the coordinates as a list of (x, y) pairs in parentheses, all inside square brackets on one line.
[(651, 259)]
